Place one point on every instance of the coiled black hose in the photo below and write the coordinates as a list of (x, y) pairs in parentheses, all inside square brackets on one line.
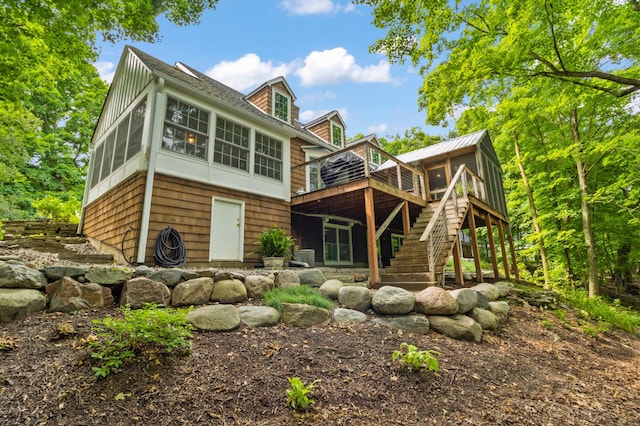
[(170, 251)]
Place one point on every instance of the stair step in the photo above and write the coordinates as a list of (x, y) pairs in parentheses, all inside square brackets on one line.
[(405, 277)]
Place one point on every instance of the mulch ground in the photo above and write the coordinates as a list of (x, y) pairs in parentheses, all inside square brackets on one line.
[(536, 370)]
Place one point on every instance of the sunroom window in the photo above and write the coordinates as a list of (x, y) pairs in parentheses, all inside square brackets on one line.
[(281, 106), (186, 129), (268, 157), (336, 135), (231, 146)]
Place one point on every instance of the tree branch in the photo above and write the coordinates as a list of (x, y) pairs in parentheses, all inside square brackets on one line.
[(553, 36)]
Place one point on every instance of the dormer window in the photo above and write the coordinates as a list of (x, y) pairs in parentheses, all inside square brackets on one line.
[(281, 106), (336, 135)]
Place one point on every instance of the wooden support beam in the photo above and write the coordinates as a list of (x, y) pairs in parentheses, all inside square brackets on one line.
[(514, 262), (406, 220), (503, 249), (474, 244), (457, 263), (374, 275), (492, 246), (389, 218)]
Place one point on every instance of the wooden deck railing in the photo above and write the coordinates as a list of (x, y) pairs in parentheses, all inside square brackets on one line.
[(436, 234), (358, 161)]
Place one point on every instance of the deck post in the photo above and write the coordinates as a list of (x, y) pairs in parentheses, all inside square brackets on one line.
[(474, 244), (374, 275), (503, 249), (457, 264), (514, 263), (406, 220), (492, 246)]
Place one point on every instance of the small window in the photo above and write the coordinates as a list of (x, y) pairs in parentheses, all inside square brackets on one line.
[(375, 157), (231, 146), (135, 130), (121, 144), (95, 167), (186, 129), (281, 106), (336, 135), (108, 155), (268, 161), (337, 244)]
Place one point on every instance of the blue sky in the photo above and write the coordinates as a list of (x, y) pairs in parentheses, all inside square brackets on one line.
[(319, 46)]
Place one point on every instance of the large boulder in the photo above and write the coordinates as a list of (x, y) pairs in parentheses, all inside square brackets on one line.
[(215, 318), (341, 315), (138, 291), (54, 273), (259, 316), (467, 299), (169, 277), (68, 295), (311, 277), (286, 279), (229, 291), (302, 315), (193, 292), (500, 309), (436, 301), (355, 297), (330, 288), (108, 276), (489, 290), (459, 327), (16, 304), (504, 287), (389, 300), (258, 285), (486, 319), (416, 324), (17, 275)]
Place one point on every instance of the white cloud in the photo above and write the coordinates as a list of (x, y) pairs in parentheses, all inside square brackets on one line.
[(337, 65), (309, 115), (106, 70), (246, 72), (309, 7), (378, 128), (317, 97)]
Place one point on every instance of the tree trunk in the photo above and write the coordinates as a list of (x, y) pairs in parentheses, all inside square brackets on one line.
[(594, 285), (534, 214)]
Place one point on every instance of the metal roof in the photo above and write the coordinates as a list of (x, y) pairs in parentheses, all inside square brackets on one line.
[(442, 147)]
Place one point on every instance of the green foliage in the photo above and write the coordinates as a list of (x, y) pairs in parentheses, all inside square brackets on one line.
[(300, 294), (1, 231), (274, 242), (607, 314), (54, 208), (410, 357), (150, 331), (298, 393)]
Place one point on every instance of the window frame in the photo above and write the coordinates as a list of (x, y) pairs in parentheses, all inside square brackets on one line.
[(234, 147), (337, 227), (267, 156), (335, 126), (200, 138), (274, 106)]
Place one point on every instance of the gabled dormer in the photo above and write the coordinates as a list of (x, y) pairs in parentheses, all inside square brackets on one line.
[(329, 127), (276, 98), (374, 154)]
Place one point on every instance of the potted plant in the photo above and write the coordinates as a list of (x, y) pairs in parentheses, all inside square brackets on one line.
[(273, 245)]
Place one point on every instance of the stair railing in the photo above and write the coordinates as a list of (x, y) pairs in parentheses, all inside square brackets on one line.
[(436, 234)]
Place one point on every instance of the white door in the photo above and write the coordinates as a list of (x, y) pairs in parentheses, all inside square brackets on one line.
[(227, 229)]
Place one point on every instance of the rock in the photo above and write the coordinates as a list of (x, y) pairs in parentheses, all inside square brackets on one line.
[(17, 275), (229, 291), (416, 324), (467, 299), (215, 318), (189, 275), (459, 327), (286, 279), (539, 298), (301, 315), (486, 319), (488, 290), (68, 295), (169, 277), (138, 291), (389, 300), (330, 288), (196, 291), (259, 316), (143, 271), (108, 276), (311, 277), (208, 273), (436, 301), (483, 302), (341, 315), (355, 297), (500, 309), (258, 285), (227, 275), (504, 287), (54, 273), (16, 304)]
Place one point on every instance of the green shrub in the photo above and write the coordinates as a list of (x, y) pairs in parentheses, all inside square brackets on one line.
[(416, 360), (274, 242), (297, 394), (149, 330), (299, 294), (595, 308), (1, 231), (56, 209)]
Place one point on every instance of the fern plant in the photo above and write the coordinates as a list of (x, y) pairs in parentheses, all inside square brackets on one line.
[(274, 242), (298, 393), (410, 357)]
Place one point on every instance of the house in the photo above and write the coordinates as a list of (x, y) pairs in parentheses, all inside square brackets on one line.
[(173, 147)]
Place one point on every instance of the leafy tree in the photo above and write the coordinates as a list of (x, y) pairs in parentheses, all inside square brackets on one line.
[(412, 139)]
